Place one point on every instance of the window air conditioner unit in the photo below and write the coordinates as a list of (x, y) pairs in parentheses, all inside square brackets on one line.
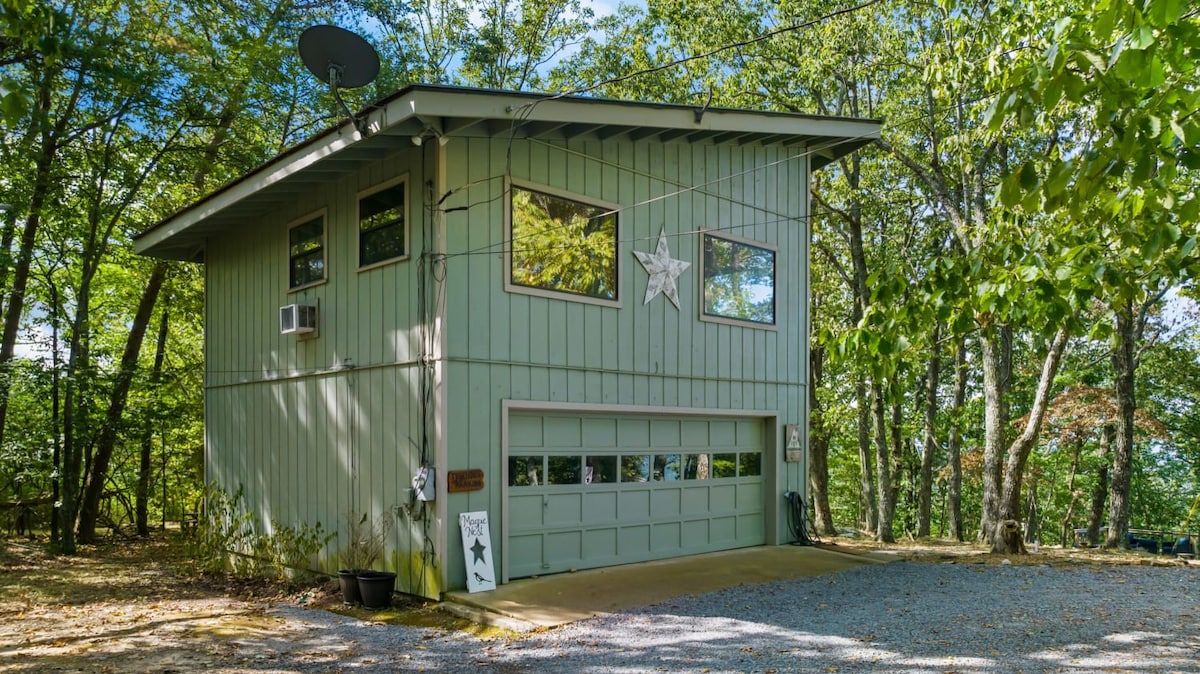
[(297, 319)]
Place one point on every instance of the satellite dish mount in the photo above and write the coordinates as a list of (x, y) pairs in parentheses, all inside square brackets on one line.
[(341, 59)]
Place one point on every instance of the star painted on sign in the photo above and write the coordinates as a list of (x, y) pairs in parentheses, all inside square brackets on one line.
[(663, 271), (478, 549)]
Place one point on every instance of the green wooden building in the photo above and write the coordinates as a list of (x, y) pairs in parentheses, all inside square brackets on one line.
[(588, 318)]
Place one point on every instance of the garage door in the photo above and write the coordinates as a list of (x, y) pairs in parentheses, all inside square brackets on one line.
[(588, 491)]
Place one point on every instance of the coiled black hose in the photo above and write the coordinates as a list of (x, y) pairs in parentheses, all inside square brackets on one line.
[(798, 520)]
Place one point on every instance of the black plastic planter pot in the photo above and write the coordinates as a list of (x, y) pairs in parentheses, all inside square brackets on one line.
[(348, 579), (376, 587)]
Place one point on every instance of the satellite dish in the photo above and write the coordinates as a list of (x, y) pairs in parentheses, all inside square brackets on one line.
[(341, 59)]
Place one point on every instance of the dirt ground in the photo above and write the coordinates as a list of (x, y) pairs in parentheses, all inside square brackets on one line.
[(138, 606)]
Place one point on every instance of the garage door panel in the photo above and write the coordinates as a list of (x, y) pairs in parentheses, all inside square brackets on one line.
[(695, 530), (634, 504), (600, 544), (526, 509), (564, 548), (750, 496), (664, 503), (723, 529), (620, 489), (750, 527), (634, 541), (666, 537), (563, 509), (723, 498), (599, 508), (525, 554), (694, 501)]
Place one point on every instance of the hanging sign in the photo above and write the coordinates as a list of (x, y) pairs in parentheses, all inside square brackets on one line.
[(477, 551), (794, 448), (464, 480)]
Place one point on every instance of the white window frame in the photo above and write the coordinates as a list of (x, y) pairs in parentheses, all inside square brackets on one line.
[(725, 320), (511, 287), (322, 213), (362, 194)]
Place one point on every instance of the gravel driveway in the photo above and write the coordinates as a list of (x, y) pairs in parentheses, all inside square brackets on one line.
[(901, 617)]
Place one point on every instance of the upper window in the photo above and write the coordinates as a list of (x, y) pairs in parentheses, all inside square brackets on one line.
[(563, 246), (306, 252), (382, 228), (739, 281)]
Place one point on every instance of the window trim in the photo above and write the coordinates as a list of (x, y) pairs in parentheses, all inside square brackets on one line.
[(322, 213), (362, 194), (726, 320), (517, 288)]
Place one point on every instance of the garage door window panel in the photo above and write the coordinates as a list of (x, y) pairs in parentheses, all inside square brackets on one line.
[(666, 467), (635, 468), (526, 471), (564, 470), (724, 465), (600, 470), (750, 465)]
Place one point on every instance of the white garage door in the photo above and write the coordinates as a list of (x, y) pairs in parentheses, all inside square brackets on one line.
[(589, 491)]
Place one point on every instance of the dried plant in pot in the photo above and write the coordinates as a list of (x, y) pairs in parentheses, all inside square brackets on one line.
[(367, 537)]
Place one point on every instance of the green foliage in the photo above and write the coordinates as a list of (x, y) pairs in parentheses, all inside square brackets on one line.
[(367, 540), (226, 539)]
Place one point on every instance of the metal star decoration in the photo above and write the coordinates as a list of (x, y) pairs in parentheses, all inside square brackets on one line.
[(663, 271)]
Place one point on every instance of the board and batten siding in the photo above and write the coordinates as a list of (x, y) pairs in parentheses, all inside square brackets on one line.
[(509, 346), (320, 428)]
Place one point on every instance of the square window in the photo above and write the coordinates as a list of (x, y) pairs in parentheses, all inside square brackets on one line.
[(696, 466), (750, 465), (524, 471), (306, 252), (666, 467), (739, 280), (724, 465), (560, 245), (382, 225), (563, 470), (600, 470), (635, 468)]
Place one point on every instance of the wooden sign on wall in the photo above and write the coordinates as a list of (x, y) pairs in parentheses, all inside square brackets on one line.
[(464, 480)]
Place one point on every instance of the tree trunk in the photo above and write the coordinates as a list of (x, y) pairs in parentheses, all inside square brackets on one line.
[(107, 441), (1006, 538), (1100, 493), (883, 468), (1066, 531), (1018, 452), (954, 441), (142, 506), (994, 424), (1123, 373), (868, 514), (925, 492), (818, 447), (1031, 514)]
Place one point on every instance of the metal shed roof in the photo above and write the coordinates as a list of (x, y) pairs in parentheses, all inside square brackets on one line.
[(451, 111)]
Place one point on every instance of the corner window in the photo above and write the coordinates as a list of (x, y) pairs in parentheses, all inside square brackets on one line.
[(382, 225), (306, 252), (560, 245), (739, 281)]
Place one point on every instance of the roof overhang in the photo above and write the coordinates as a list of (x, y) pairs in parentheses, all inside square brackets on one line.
[(422, 110)]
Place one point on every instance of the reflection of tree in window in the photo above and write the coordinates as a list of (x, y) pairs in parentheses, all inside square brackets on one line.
[(739, 280), (750, 464), (563, 470), (563, 245), (695, 467), (523, 471), (600, 470), (635, 468), (306, 253), (666, 467), (724, 465), (381, 225)]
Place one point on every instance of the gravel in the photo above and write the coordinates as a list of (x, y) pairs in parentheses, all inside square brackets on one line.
[(900, 617)]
